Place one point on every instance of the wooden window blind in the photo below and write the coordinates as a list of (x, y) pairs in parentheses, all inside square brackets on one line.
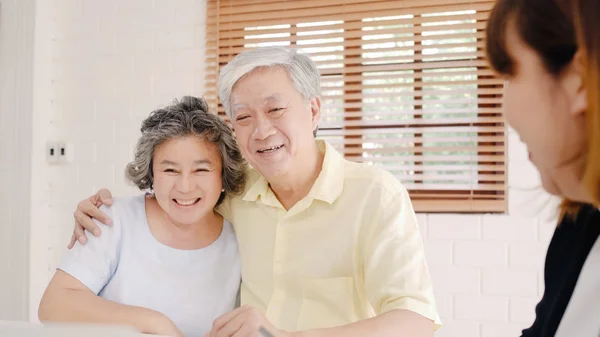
[(405, 86)]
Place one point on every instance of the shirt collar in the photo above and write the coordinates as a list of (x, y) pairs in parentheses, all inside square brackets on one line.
[(327, 187)]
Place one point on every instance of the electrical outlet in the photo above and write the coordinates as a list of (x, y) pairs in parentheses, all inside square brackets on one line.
[(59, 152), (52, 152), (65, 152)]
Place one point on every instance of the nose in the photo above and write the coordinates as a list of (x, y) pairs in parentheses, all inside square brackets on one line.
[(184, 183), (263, 128)]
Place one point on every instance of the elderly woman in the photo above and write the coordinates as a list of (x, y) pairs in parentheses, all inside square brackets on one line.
[(169, 264)]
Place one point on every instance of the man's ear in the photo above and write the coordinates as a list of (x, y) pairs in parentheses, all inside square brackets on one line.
[(315, 109)]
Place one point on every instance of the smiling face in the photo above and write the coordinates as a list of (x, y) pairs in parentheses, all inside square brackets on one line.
[(273, 123), (187, 178)]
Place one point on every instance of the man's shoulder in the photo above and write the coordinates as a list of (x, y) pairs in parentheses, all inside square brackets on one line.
[(367, 175), (252, 176)]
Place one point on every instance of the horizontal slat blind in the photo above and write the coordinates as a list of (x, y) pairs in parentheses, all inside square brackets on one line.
[(405, 86)]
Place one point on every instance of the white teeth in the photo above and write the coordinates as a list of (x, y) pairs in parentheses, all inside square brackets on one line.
[(271, 149), (186, 202)]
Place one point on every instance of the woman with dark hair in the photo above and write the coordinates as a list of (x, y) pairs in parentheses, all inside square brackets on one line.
[(549, 53)]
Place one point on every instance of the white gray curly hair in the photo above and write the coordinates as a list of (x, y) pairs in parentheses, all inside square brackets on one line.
[(185, 117)]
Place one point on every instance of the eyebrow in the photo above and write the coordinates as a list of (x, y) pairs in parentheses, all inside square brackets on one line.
[(197, 162), (271, 98), (237, 106)]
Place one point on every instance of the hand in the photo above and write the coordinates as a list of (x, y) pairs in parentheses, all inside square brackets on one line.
[(86, 210), (245, 321), (163, 326), (168, 329)]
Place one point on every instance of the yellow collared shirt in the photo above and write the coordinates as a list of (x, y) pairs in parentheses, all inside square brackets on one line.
[(349, 250)]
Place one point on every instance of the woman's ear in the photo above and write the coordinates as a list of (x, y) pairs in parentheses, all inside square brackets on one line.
[(574, 82)]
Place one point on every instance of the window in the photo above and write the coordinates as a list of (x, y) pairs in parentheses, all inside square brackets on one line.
[(405, 87)]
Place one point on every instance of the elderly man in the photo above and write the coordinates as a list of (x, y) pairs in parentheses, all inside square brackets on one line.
[(328, 247)]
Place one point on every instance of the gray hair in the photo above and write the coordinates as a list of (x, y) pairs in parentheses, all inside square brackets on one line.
[(302, 70), (187, 117)]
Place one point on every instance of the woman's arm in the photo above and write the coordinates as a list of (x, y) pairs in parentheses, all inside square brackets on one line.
[(72, 295), (68, 300)]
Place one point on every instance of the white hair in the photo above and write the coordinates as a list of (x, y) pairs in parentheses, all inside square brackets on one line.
[(302, 70)]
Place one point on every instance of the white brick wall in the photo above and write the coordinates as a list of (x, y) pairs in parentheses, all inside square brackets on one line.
[(481, 308), (100, 68), (488, 269), (114, 61)]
